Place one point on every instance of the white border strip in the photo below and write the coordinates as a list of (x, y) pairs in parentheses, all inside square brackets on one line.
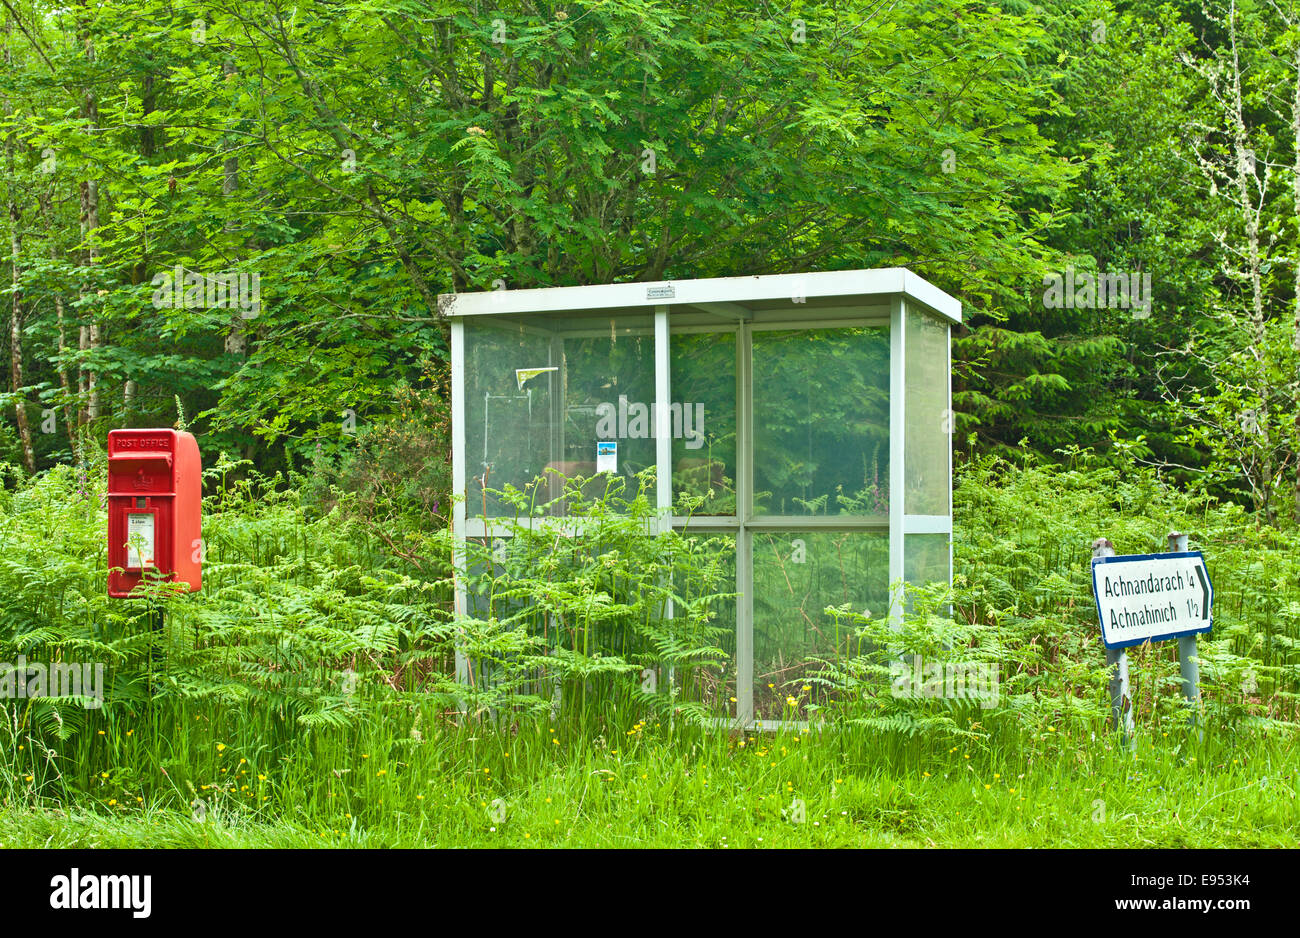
[(927, 524), (889, 281)]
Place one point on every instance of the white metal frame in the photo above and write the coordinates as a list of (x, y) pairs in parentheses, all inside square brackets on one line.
[(897, 463), (724, 298), (727, 293)]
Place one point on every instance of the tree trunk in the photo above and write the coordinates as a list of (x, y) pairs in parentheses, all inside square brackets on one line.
[(45, 202), (16, 342), (87, 379), (88, 193), (15, 254), (237, 338), (1258, 322), (1295, 180)]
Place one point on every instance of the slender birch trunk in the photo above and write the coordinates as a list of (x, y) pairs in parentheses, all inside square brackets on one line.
[(88, 195), (15, 255), (1295, 182)]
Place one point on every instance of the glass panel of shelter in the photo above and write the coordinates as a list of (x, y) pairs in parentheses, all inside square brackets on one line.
[(927, 451), (541, 392), (821, 422), (821, 417)]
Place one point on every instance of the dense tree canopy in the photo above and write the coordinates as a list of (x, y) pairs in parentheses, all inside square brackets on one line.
[(352, 160)]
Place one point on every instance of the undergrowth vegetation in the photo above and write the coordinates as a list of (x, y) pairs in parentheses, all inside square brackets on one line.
[(323, 685)]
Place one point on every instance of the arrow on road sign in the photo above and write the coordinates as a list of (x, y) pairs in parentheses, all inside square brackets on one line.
[(1205, 590)]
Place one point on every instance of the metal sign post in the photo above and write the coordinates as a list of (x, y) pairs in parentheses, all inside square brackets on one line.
[(1121, 702), (1150, 598), (1187, 662)]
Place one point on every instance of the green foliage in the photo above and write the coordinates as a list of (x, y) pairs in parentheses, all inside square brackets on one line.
[(395, 469), (585, 603), (361, 159), (311, 685), (290, 601), (411, 151), (1023, 569)]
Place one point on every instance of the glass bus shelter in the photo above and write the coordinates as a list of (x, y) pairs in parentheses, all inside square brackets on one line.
[(807, 416)]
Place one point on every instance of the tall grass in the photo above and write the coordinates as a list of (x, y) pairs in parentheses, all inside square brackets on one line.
[(309, 690)]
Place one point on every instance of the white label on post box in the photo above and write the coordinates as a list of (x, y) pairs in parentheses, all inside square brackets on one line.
[(607, 457), (139, 527)]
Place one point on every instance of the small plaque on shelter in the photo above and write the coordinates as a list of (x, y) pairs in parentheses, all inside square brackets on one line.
[(607, 457)]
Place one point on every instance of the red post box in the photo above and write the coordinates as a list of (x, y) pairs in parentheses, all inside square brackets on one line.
[(154, 500)]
